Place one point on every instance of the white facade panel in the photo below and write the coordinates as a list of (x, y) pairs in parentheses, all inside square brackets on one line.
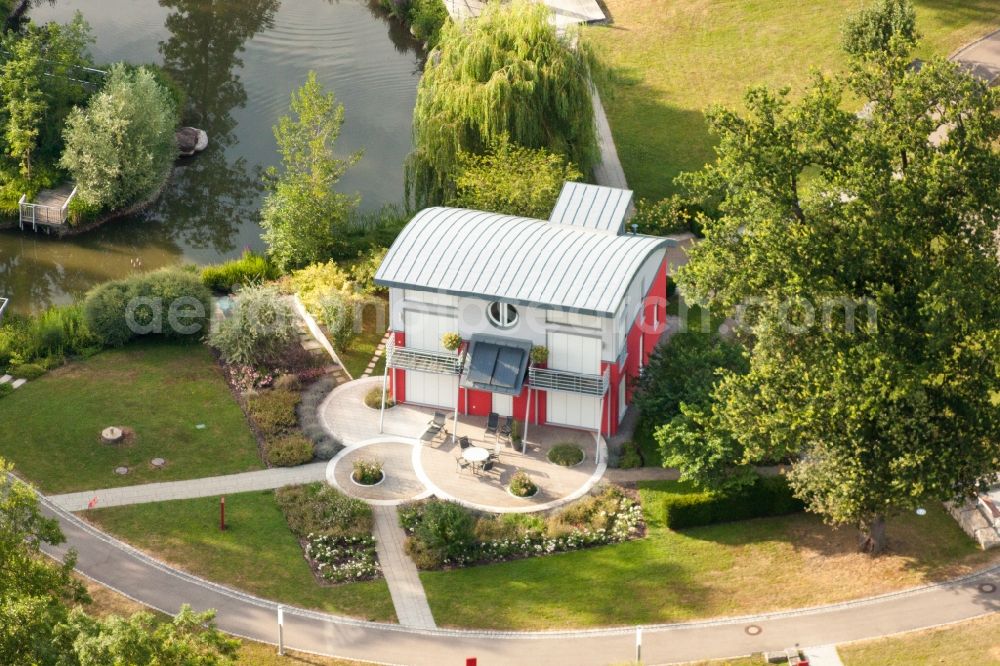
[(424, 388), (423, 330), (573, 409)]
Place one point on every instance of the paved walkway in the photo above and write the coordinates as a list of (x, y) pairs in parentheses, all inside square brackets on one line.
[(150, 582), (982, 57), (400, 573), (265, 479), (608, 171)]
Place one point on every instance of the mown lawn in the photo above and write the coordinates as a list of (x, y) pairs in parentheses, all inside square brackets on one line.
[(671, 60), (360, 350), (257, 552), (705, 572), (972, 642), (52, 425)]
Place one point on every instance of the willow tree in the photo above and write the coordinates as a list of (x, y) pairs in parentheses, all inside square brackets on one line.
[(506, 73)]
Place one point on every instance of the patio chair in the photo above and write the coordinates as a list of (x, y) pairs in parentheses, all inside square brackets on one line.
[(508, 427), (464, 442), (495, 454), (462, 463), (492, 424), (436, 425), (488, 465)]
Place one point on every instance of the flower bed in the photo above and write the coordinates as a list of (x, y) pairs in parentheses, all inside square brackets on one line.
[(457, 536), (334, 531), (342, 559)]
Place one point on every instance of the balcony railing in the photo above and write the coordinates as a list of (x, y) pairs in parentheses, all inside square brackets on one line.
[(569, 382), (422, 360)]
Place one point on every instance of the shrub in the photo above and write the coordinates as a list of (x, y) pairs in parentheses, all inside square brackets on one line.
[(336, 311), (169, 302), (445, 532), (27, 370), (630, 457), (566, 454), (509, 526), (288, 382), (672, 215), (872, 28), (367, 471), (373, 398), (325, 445), (121, 146), (6, 389), (681, 505), (426, 19), (288, 451), (249, 269), (260, 327), (315, 280), (451, 341), (363, 270), (521, 485), (273, 411), (316, 508), (512, 179)]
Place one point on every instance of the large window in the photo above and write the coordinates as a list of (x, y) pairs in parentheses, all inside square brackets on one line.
[(501, 315)]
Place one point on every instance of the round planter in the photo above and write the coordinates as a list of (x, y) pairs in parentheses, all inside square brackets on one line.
[(522, 496), (582, 460), (367, 485)]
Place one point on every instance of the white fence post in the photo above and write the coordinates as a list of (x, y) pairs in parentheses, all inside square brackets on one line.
[(638, 645), (281, 631)]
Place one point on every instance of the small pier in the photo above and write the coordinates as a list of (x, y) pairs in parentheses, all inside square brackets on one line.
[(49, 210)]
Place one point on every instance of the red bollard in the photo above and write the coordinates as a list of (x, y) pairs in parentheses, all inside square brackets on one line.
[(470, 661), (222, 513)]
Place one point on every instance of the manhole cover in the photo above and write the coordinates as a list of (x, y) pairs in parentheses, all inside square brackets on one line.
[(988, 588), (753, 630), (157, 462), (121, 470)]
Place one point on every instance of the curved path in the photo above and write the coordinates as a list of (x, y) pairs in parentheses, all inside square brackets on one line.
[(125, 569)]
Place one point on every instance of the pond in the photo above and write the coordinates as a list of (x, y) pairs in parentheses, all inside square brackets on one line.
[(238, 61)]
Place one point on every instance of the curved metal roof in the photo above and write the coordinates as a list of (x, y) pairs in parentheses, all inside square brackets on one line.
[(516, 260)]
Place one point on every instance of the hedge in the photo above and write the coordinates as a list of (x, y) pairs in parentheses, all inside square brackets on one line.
[(680, 504), (169, 302)]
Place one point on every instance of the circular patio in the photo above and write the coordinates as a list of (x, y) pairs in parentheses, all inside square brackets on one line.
[(418, 464)]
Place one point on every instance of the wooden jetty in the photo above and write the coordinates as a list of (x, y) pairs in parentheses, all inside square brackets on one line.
[(49, 210)]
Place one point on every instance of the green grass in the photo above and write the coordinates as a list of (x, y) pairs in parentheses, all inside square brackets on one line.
[(670, 61), (972, 642), (52, 425), (257, 552), (359, 352), (718, 570)]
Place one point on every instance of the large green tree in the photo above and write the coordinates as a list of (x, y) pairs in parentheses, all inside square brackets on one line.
[(862, 249), (121, 146), (38, 627), (304, 219), (507, 72)]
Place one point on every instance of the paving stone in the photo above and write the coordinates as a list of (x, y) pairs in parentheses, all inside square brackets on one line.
[(5, 379), (18, 383)]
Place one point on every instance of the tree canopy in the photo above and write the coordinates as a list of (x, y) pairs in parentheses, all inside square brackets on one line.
[(39, 627), (505, 73), (873, 28), (120, 147), (512, 179), (304, 219), (861, 250)]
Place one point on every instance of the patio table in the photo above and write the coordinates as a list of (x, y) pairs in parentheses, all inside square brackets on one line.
[(475, 455)]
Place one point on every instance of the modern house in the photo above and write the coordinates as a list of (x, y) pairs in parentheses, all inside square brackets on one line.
[(580, 285)]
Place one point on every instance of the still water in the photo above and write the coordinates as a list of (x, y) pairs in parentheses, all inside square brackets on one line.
[(238, 61)]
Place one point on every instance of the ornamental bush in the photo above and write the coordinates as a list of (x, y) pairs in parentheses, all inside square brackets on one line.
[(288, 451), (367, 471), (681, 505), (521, 485), (273, 411), (445, 532), (171, 302), (566, 454), (872, 28), (259, 328), (319, 509)]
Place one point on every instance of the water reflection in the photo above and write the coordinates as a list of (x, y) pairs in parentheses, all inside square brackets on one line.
[(210, 196)]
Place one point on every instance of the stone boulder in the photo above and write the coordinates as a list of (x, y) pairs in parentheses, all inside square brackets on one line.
[(191, 140)]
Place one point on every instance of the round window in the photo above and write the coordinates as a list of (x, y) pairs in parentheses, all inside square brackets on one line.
[(502, 315)]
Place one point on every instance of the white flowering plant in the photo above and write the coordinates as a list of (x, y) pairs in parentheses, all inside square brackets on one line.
[(343, 559)]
